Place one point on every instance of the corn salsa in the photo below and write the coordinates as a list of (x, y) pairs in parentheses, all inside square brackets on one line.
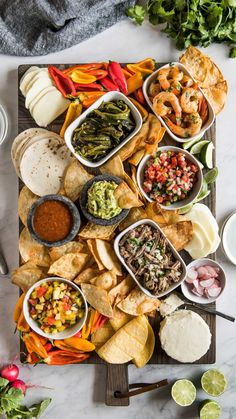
[(55, 306)]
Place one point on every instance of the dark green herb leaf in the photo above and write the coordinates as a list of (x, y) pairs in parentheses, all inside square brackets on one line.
[(232, 52), (137, 14)]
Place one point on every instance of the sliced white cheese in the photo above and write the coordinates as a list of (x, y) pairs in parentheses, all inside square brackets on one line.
[(43, 74), (200, 246), (27, 78), (169, 305), (185, 336), (39, 85), (49, 107), (40, 95), (32, 68)]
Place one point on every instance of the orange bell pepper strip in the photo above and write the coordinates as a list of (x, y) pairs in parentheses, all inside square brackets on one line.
[(142, 110), (83, 67), (22, 324), (139, 96), (79, 344), (86, 330), (100, 321), (81, 77), (87, 102), (99, 74), (74, 110), (18, 308), (62, 345), (134, 82), (146, 66), (62, 357), (126, 73), (34, 344), (33, 359)]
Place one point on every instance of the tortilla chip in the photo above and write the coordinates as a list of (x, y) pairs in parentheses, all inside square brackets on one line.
[(153, 136), (125, 197), (26, 275), (98, 299), (217, 95), (126, 342), (132, 184), (75, 178), (137, 303), (135, 214), (137, 157), (179, 234), (134, 144), (25, 201), (69, 265), (95, 231), (102, 335), (154, 213), (197, 63), (106, 280), (120, 321), (93, 249), (113, 166), (152, 148), (142, 357), (86, 275), (71, 247), (120, 291), (108, 257), (31, 250)]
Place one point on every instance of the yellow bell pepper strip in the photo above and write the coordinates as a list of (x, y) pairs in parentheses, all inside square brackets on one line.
[(74, 110), (146, 66), (142, 110), (81, 77), (80, 344), (34, 344), (86, 330), (134, 82), (139, 96), (126, 73), (18, 308), (83, 67), (22, 324)]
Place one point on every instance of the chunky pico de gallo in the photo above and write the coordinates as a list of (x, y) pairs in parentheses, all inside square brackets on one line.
[(169, 177)]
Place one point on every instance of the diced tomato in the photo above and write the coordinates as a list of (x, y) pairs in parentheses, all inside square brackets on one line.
[(194, 168), (33, 302), (174, 162), (41, 291), (159, 199), (51, 320), (151, 173)]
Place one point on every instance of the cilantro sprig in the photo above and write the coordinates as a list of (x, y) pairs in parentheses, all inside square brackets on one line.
[(192, 22)]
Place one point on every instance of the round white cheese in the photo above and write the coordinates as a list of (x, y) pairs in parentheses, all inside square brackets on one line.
[(185, 336)]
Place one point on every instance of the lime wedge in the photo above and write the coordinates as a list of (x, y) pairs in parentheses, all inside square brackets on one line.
[(183, 392), (188, 144), (209, 409), (214, 382), (196, 148), (202, 196), (211, 175), (206, 155), (185, 209)]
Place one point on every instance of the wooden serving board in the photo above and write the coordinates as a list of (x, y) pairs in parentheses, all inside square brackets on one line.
[(117, 375)]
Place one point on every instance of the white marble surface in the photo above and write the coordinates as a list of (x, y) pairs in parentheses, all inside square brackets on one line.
[(78, 391)]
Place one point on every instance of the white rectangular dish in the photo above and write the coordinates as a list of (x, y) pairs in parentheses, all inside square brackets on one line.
[(75, 124), (174, 252), (211, 113)]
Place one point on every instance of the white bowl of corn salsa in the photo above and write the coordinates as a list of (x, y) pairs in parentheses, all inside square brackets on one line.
[(55, 308)]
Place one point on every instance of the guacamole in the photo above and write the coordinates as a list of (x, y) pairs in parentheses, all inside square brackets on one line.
[(101, 201)]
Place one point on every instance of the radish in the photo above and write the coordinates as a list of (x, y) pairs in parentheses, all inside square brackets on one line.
[(191, 276), (214, 292), (216, 283), (10, 372), (202, 272), (207, 283), (19, 384), (195, 291), (198, 287)]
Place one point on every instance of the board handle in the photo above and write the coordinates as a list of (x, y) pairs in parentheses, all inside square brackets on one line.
[(117, 380)]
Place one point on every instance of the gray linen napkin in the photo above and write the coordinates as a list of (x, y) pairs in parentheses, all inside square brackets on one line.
[(38, 27)]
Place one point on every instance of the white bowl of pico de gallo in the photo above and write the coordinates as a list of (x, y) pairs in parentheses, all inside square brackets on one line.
[(172, 177)]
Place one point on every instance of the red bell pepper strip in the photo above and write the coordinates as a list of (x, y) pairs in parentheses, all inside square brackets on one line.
[(99, 74), (109, 85), (99, 322), (64, 84), (117, 76), (48, 347), (139, 96), (87, 87), (62, 357)]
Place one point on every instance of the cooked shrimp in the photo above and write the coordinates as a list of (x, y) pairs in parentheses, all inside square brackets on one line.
[(189, 99), (187, 81), (154, 89), (193, 123), (165, 74), (161, 102)]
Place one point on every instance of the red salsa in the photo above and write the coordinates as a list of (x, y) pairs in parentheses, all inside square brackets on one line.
[(52, 221), (169, 177)]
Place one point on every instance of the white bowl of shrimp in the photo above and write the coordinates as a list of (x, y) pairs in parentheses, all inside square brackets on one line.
[(178, 102), (172, 177)]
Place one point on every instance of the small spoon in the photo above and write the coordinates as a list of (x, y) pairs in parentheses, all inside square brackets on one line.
[(3, 265), (208, 310)]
